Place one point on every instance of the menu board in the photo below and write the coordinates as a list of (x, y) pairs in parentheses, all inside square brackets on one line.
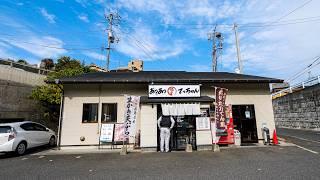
[(203, 123), (106, 132)]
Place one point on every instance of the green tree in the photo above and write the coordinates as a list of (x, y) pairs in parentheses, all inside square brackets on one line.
[(47, 63), (65, 62), (49, 95), (22, 61)]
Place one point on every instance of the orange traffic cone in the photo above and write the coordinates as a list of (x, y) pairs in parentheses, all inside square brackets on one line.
[(275, 138)]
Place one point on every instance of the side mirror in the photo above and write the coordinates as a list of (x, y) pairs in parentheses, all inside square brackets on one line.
[(47, 129)]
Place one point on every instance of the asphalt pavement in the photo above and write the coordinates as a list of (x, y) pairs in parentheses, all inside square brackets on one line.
[(308, 139), (274, 162)]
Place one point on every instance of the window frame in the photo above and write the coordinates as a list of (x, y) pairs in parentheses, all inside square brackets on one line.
[(97, 114), (116, 114)]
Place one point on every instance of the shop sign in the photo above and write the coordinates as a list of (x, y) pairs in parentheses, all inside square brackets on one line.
[(130, 115), (174, 91), (220, 114), (203, 123), (119, 133), (106, 132)]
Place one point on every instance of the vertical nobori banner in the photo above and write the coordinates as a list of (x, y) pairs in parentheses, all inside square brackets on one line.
[(220, 114), (130, 115)]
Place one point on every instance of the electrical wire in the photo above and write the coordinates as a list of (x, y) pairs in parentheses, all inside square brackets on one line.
[(310, 66), (284, 16), (139, 44), (279, 24)]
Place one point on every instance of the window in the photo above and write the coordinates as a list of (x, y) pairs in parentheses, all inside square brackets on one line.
[(27, 127), (109, 113), (5, 129), (38, 127), (90, 113)]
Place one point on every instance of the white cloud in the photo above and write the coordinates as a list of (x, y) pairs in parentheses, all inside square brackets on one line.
[(144, 44), (94, 55), (83, 3), (84, 18), (50, 17), (37, 45), (5, 54)]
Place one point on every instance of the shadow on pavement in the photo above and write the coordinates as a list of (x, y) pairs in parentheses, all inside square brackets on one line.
[(28, 152)]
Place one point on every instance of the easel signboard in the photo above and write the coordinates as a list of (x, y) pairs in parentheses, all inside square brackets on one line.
[(106, 135)]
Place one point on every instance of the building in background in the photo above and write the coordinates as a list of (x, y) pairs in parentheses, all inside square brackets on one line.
[(133, 66), (97, 68)]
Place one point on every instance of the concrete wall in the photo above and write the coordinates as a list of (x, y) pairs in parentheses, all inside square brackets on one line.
[(9, 73), (15, 102), (75, 95), (15, 89), (299, 109)]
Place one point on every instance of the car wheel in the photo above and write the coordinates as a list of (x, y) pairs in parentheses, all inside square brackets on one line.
[(21, 148), (52, 141)]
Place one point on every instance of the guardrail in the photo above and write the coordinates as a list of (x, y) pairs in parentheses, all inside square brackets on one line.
[(296, 87), (25, 67)]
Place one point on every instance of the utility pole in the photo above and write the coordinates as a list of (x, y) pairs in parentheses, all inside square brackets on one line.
[(235, 26), (112, 18), (213, 36)]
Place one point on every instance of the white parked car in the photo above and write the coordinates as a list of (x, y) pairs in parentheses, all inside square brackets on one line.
[(20, 136)]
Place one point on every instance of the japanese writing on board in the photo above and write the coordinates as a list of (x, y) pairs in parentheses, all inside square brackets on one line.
[(220, 114), (130, 115), (174, 91)]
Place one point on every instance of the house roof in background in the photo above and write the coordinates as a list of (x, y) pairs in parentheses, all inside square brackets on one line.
[(165, 77)]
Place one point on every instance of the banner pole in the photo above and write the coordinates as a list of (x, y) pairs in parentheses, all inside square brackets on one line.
[(215, 116)]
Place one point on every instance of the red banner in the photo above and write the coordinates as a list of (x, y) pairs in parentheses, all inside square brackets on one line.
[(220, 114), (119, 133)]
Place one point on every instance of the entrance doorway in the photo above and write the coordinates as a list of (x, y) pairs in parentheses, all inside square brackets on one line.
[(245, 121), (183, 132)]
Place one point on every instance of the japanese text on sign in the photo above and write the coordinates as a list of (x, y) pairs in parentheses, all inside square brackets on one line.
[(220, 114), (130, 115), (174, 90)]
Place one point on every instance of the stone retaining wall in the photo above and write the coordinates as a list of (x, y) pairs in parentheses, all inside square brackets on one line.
[(299, 109)]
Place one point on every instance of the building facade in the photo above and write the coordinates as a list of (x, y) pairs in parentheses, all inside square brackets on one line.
[(96, 98)]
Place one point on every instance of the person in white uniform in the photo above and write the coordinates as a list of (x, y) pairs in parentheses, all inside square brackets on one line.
[(165, 124)]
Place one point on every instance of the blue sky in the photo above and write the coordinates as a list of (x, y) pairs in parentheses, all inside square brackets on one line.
[(167, 35)]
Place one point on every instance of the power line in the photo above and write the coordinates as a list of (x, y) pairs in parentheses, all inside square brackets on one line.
[(310, 66), (284, 16), (280, 24), (280, 18), (240, 24), (146, 48)]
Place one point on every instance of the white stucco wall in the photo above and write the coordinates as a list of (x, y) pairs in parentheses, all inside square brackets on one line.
[(75, 95), (148, 126)]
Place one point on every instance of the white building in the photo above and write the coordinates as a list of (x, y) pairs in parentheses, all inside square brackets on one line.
[(96, 98)]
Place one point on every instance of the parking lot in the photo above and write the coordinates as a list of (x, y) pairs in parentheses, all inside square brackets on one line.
[(275, 162)]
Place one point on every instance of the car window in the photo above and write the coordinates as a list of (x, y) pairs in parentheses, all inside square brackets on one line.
[(5, 129), (27, 127), (38, 127)]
